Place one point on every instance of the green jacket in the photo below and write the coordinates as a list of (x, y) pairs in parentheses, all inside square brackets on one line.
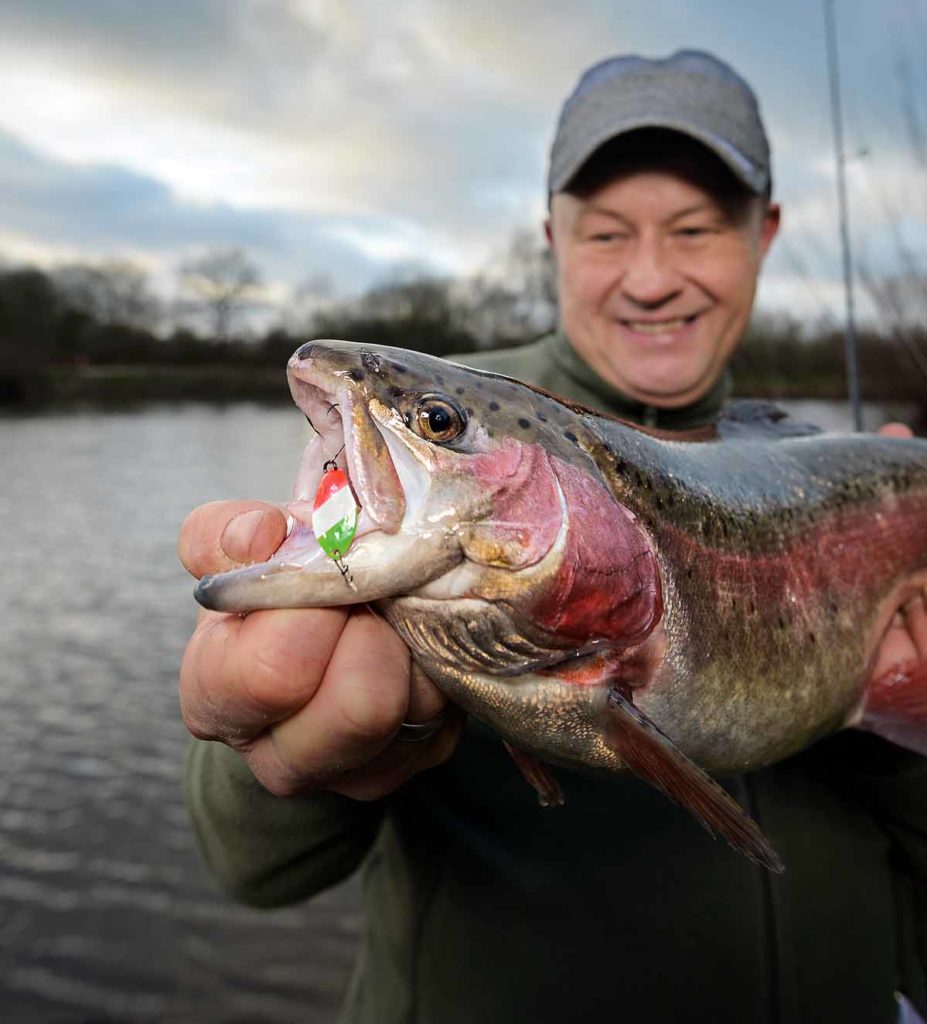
[(481, 906)]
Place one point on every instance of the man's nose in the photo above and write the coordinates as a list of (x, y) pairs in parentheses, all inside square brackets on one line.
[(650, 278)]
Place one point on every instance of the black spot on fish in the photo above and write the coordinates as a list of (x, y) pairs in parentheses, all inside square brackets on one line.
[(494, 406), (305, 351), (752, 608), (469, 411), (439, 379), (394, 392), (541, 417), (523, 423), (370, 362), (399, 368), (460, 390), (570, 436), (355, 375), (781, 622), (812, 638)]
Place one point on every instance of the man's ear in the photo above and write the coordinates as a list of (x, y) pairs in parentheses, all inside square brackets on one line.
[(770, 227)]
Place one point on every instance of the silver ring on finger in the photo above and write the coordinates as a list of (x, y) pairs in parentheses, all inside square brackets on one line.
[(418, 732)]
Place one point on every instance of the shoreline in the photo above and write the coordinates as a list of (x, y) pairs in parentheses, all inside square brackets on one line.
[(121, 385)]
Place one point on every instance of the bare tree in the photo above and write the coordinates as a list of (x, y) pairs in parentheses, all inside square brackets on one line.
[(515, 299), (115, 293), (313, 296), (223, 283)]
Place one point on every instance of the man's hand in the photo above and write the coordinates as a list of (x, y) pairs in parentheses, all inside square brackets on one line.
[(906, 638), (311, 698)]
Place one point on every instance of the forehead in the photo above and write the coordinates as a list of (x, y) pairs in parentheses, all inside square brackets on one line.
[(639, 196)]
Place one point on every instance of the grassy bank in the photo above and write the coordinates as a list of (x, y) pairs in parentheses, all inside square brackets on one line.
[(137, 384), (115, 386)]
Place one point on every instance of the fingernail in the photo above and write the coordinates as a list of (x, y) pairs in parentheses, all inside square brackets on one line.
[(238, 536)]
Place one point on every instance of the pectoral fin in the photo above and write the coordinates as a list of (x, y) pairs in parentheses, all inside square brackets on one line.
[(538, 775), (653, 757)]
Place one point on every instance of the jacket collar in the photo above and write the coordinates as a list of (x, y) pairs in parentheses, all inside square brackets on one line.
[(606, 396)]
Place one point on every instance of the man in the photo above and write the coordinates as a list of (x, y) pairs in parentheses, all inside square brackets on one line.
[(481, 906)]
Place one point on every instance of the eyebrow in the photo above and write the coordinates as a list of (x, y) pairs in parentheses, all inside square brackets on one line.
[(701, 207), (708, 208), (602, 211)]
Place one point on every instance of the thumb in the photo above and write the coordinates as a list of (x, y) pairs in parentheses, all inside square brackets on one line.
[(226, 534)]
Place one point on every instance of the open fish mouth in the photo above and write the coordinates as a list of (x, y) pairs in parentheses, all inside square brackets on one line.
[(387, 472)]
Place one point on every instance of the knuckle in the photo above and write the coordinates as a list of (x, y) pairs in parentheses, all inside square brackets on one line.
[(277, 678), (274, 774), (367, 789), (372, 713), (282, 784)]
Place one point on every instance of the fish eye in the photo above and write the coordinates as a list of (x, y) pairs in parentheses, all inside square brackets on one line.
[(438, 419)]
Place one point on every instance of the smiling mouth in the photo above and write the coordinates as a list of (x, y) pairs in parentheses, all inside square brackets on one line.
[(657, 327)]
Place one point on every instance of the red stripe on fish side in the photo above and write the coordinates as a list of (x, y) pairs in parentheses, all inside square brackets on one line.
[(895, 706), (854, 554)]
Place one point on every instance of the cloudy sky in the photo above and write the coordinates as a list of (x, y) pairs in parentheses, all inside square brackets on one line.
[(353, 138)]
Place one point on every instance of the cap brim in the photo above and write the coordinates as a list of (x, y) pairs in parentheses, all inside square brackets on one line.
[(754, 178)]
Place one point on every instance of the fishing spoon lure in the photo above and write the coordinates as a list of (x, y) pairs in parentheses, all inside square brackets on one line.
[(334, 517)]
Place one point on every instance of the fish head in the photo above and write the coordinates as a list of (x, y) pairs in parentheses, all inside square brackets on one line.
[(473, 490)]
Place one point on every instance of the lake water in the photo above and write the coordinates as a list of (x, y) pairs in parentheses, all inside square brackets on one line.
[(105, 912)]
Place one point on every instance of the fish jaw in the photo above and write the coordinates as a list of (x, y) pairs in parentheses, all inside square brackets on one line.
[(405, 535)]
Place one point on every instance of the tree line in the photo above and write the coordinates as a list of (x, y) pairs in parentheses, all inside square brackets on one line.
[(109, 314)]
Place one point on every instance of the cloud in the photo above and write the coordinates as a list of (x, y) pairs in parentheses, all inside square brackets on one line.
[(52, 208), (326, 135)]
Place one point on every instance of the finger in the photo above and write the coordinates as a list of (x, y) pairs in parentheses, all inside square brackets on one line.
[(356, 710), (240, 675), (895, 430), (399, 762), (915, 615), (896, 647), (226, 534), (425, 699), (374, 779)]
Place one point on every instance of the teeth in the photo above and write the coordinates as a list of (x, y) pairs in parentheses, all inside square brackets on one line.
[(663, 327)]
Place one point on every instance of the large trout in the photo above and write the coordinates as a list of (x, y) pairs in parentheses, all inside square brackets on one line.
[(600, 595)]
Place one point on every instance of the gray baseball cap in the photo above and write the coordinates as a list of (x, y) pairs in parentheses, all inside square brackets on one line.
[(690, 92)]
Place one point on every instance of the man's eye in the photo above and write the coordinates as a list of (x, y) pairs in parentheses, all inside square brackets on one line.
[(693, 232)]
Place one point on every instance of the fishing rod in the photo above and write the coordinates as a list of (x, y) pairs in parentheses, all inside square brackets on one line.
[(851, 348)]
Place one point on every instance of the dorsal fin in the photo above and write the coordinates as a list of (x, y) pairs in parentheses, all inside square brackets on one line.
[(756, 418)]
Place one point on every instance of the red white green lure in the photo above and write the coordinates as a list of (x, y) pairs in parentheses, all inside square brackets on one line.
[(334, 516)]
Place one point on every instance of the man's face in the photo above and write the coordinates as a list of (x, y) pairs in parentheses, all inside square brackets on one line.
[(656, 279)]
